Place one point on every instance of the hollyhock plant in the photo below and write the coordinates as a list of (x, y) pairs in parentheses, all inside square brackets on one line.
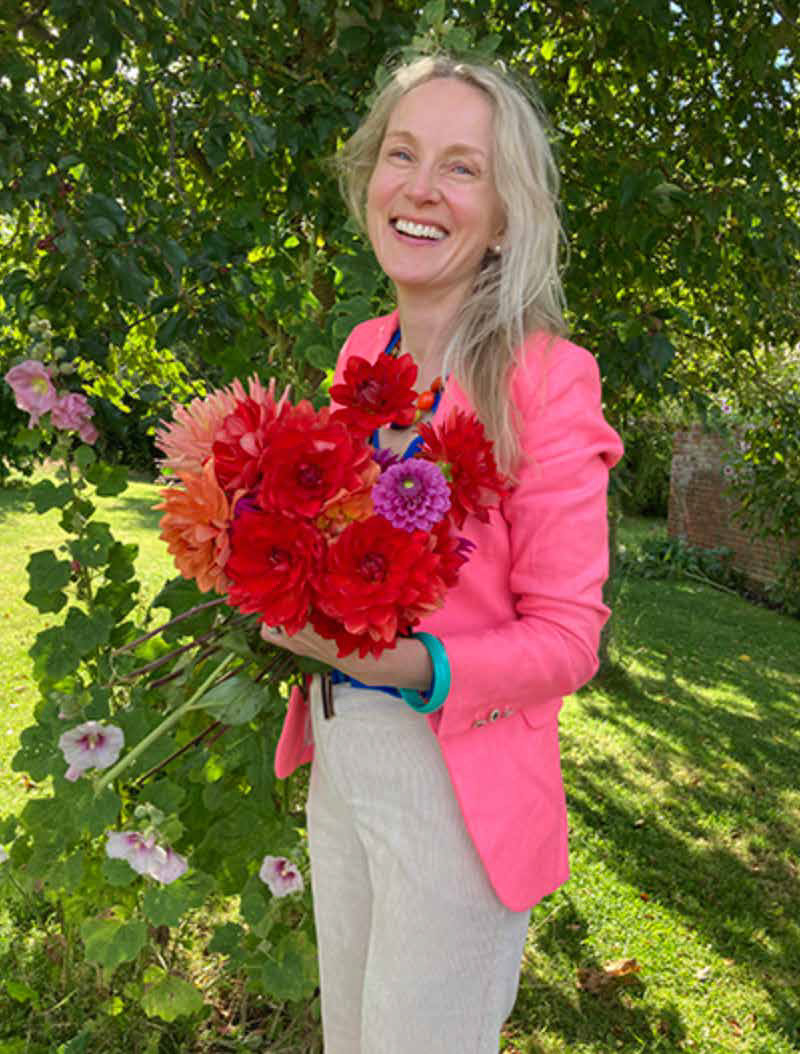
[(373, 394), (274, 560), (195, 524), (145, 856), (312, 462), (378, 582), (413, 495), (33, 388), (281, 875), (91, 745), (3, 855), (460, 447)]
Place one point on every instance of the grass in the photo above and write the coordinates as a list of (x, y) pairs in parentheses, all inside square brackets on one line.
[(681, 770)]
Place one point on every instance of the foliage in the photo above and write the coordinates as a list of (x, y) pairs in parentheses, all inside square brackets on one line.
[(200, 725), (680, 767), (168, 199), (657, 558), (643, 476)]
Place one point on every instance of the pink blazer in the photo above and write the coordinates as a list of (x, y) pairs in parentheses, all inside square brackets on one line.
[(522, 626)]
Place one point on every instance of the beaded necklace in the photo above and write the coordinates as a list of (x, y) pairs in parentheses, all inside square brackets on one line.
[(428, 400)]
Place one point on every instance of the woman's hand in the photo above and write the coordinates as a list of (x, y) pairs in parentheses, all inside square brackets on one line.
[(407, 665)]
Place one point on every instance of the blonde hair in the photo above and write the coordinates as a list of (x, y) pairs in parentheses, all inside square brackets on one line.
[(518, 290)]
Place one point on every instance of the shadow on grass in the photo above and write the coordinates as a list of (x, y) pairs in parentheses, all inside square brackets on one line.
[(716, 845), (615, 1018)]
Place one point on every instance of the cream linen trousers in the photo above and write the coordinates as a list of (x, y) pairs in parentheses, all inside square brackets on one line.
[(417, 955)]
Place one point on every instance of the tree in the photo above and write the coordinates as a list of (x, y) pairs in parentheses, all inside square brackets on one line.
[(168, 198)]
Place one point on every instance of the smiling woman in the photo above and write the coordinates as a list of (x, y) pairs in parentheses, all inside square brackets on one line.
[(436, 812), (433, 211)]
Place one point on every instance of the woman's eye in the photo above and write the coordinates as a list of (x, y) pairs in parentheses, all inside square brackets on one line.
[(399, 154), (462, 169)]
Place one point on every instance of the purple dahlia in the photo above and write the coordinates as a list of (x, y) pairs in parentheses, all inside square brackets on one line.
[(413, 495)]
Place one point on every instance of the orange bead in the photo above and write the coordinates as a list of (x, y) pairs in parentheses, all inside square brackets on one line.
[(426, 400)]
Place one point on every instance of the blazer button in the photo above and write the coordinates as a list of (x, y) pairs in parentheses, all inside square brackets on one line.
[(493, 716), (508, 711), (478, 723)]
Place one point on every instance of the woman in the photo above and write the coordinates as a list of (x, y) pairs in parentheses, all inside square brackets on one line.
[(432, 834)]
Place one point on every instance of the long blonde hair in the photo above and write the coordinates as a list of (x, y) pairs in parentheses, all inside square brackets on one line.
[(518, 290)]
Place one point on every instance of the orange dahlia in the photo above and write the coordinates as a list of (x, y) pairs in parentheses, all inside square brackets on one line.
[(195, 524)]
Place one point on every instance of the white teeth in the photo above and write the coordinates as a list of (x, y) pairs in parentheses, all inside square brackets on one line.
[(419, 230)]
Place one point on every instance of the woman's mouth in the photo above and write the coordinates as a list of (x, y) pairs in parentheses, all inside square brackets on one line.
[(424, 231)]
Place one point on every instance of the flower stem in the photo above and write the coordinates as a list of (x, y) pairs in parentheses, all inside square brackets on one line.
[(168, 625), (171, 719)]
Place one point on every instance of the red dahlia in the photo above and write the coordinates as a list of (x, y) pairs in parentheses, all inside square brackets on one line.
[(378, 582), (240, 442), (274, 559), (312, 462), (460, 447), (374, 394)]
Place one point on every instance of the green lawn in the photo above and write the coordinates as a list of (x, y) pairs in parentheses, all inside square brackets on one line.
[(681, 766)]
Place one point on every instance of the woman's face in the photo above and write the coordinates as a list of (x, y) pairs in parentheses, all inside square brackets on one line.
[(432, 206)]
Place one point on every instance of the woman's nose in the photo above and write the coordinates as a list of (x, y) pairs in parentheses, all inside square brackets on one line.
[(423, 184)]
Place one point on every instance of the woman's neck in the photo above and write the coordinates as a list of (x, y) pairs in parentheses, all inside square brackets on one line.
[(425, 330)]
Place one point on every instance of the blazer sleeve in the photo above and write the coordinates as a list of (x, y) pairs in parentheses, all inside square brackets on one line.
[(556, 519)]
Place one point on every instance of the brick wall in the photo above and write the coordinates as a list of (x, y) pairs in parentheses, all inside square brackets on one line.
[(702, 515)]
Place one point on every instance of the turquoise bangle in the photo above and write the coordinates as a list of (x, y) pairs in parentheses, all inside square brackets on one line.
[(440, 686)]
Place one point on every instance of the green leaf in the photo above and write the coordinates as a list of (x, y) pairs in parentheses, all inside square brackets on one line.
[(46, 572), (98, 205), (134, 285), (166, 905), (84, 633), (118, 872), (84, 456), (171, 998), (108, 480), (46, 495), (109, 942), (290, 969), (91, 549), (101, 229), (53, 655), (45, 601), (22, 993), (234, 701), (228, 939), (164, 794)]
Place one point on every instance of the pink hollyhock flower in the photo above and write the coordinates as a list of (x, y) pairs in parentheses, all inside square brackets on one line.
[(91, 745), (145, 856), (33, 389), (413, 495), (281, 875), (167, 865), (72, 413), (88, 433)]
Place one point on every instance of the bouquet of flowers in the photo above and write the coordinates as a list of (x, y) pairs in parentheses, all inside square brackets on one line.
[(291, 513)]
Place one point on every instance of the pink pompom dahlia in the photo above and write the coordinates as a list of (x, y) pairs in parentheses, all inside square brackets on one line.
[(413, 495)]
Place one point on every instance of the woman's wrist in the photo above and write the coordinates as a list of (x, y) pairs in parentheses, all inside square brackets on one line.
[(406, 666)]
